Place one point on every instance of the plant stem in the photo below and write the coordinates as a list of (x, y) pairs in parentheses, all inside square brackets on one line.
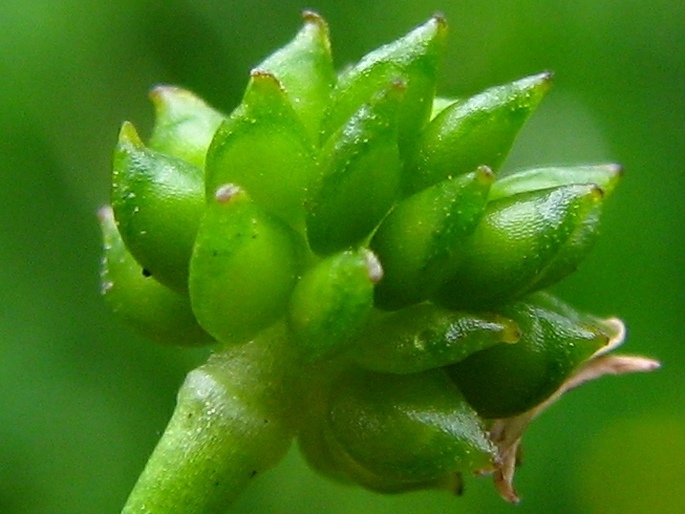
[(233, 420)]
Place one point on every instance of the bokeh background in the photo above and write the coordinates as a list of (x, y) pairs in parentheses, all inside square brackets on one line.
[(83, 399)]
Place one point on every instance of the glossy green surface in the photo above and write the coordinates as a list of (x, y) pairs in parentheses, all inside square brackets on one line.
[(411, 60), (604, 176), (426, 336), (157, 201), (522, 241), (264, 148), (478, 131), (154, 310), (305, 69), (184, 124), (359, 178), (420, 242), (407, 428), (331, 302)]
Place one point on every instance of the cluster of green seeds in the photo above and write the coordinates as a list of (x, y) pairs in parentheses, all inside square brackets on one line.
[(361, 219)]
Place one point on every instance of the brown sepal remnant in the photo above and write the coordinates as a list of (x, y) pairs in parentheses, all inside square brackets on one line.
[(506, 433)]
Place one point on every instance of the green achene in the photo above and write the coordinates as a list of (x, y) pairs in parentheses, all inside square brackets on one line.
[(244, 261), (332, 301), (150, 188), (421, 240), (386, 426), (359, 177)]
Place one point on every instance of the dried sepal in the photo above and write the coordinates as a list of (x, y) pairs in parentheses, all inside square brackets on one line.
[(507, 433)]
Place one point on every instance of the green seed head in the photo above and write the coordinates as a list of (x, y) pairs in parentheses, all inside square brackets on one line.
[(361, 218)]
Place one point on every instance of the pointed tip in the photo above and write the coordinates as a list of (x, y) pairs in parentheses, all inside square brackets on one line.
[(314, 18), (165, 95), (612, 175), (316, 28), (525, 93), (433, 30), (617, 169), (265, 79), (105, 214), (373, 266), (651, 364), (544, 80), (624, 364), (505, 487), (160, 96), (485, 175), (227, 192), (438, 25), (129, 135), (540, 82), (161, 91), (440, 20)]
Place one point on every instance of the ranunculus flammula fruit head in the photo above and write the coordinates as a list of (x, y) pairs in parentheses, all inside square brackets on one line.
[(372, 286)]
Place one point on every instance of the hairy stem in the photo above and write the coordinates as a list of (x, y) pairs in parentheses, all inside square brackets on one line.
[(232, 421)]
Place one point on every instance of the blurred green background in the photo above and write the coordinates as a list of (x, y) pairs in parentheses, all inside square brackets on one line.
[(83, 400)]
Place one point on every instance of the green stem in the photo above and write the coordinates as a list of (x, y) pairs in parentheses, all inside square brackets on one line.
[(233, 420)]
